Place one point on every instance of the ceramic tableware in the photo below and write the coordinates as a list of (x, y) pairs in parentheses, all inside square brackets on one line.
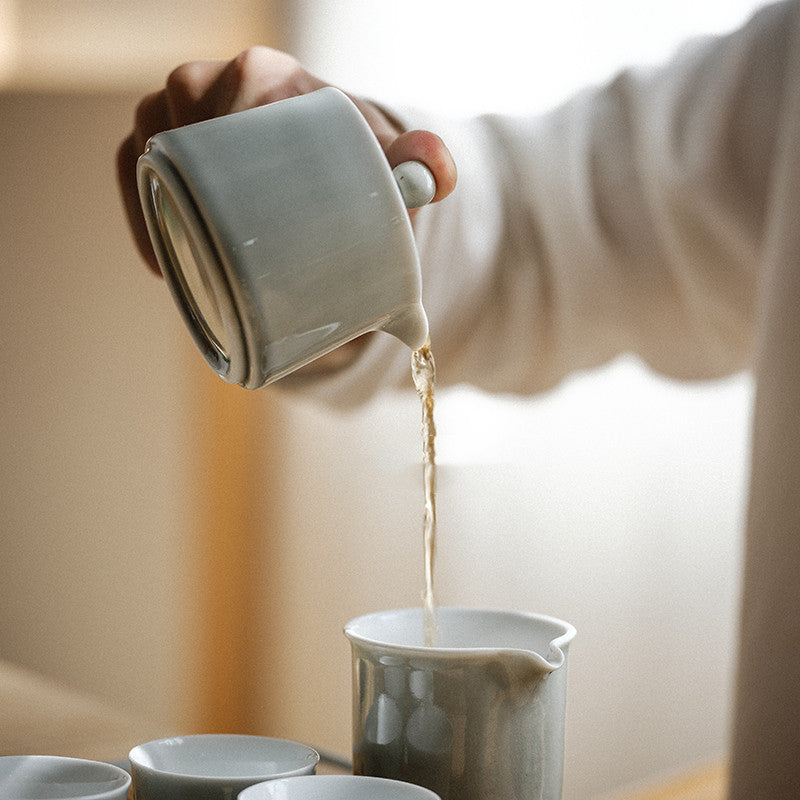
[(282, 234), (214, 766), (336, 787), (59, 778), (478, 716)]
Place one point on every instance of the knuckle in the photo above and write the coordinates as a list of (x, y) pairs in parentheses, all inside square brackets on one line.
[(275, 74), (181, 81), (252, 63), (149, 117)]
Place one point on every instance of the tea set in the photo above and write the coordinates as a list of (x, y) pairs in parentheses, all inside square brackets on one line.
[(478, 715), (282, 234)]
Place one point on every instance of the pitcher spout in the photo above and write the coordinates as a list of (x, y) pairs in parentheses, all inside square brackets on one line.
[(532, 660), (409, 325), (528, 664)]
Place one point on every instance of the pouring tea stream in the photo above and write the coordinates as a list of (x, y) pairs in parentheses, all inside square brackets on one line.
[(282, 234)]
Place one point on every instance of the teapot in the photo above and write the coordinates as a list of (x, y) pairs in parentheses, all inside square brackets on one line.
[(282, 233)]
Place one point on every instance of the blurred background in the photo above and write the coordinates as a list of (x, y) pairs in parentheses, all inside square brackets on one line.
[(186, 553)]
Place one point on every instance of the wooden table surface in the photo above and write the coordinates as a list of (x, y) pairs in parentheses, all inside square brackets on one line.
[(704, 783)]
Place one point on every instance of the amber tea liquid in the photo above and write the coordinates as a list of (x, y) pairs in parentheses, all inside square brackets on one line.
[(423, 371)]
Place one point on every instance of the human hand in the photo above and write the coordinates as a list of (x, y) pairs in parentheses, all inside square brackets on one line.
[(204, 89)]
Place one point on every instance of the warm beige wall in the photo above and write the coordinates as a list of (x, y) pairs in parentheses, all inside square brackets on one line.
[(83, 43), (92, 442), (105, 407)]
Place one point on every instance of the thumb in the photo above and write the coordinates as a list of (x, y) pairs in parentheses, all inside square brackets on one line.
[(428, 148)]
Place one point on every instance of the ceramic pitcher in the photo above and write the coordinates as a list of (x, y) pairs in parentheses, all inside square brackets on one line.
[(478, 716), (282, 233)]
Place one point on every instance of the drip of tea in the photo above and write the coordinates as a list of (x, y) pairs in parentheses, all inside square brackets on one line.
[(423, 371)]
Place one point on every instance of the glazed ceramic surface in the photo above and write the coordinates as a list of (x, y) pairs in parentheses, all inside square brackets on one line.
[(282, 234), (479, 716), (214, 766), (336, 787), (57, 778)]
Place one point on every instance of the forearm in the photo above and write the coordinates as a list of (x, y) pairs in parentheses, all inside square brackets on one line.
[(630, 219)]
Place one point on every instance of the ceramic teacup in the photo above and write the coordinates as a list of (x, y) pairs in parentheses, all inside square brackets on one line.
[(59, 778), (214, 766), (282, 234), (337, 787)]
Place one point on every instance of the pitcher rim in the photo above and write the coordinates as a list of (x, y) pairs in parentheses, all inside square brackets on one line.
[(556, 644)]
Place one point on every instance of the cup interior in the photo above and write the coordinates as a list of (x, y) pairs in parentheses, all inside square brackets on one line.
[(224, 756), (336, 787), (461, 629), (61, 778)]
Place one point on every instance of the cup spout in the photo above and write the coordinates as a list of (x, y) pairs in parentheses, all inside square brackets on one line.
[(409, 325), (528, 665)]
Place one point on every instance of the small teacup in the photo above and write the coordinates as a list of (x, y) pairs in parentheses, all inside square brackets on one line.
[(337, 787), (61, 778), (214, 766)]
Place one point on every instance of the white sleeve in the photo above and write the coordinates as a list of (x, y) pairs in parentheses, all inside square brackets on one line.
[(628, 220)]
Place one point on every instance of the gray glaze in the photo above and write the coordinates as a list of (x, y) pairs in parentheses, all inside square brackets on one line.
[(478, 717), (214, 766), (282, 234)]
